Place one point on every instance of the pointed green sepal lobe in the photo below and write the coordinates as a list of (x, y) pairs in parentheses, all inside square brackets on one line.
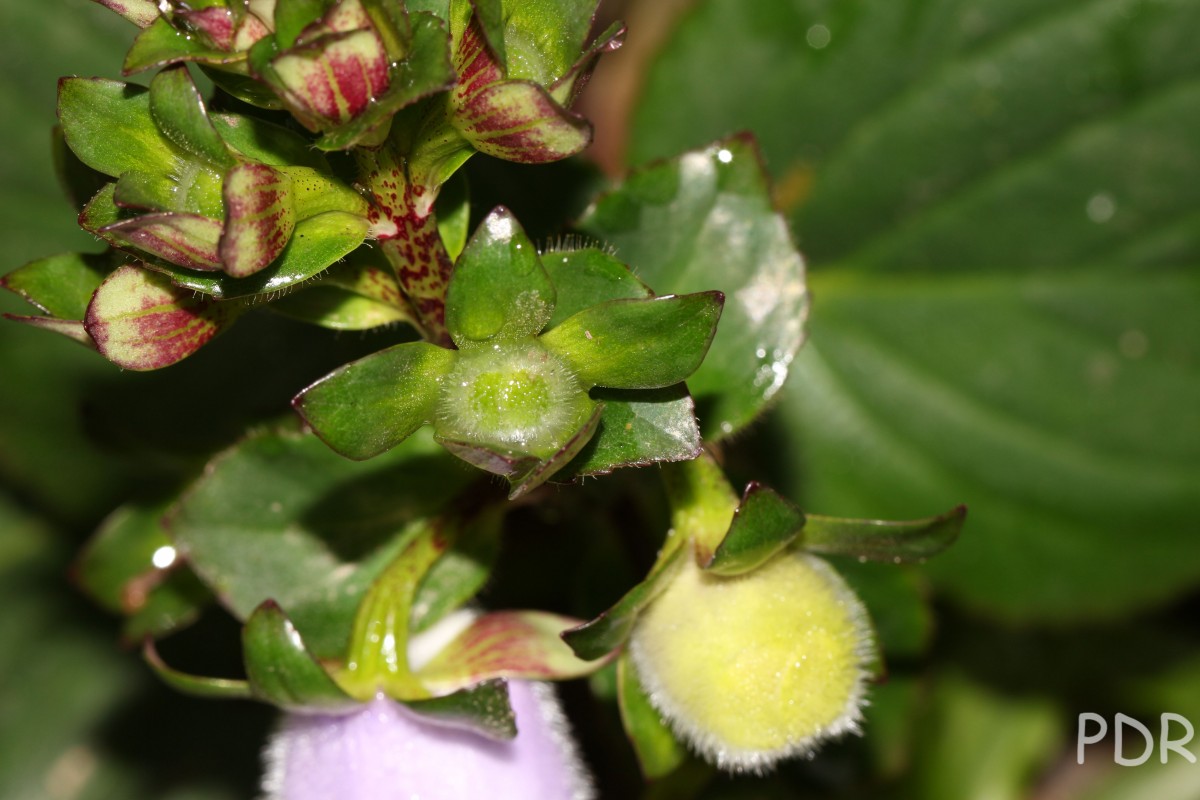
[(140, 321), (569, 85), (281, 670), (211, 688), (259, 218), (764, 524), (586, 277), (482, 709), (108, 125), (453, 212), (544, 470), (190, 241), (61, 285), (658, 751), (179, 113), (505, 463), (638, 344), (882, 540), (523, 645), (499, 290), (639, 427), (371, 405), (604, 634), (139, 12)]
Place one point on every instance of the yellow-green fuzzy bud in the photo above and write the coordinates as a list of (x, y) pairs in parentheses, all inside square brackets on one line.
[(752, 669)]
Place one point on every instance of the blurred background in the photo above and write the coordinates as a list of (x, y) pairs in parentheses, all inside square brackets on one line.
[(999, 205)]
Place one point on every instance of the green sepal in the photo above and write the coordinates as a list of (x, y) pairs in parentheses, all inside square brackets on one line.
[(337, 309), (483, 709), (178, 112), (882, 540), (604, 634), (293, 17), (588, 276), (638, 344), (658, 751), (173, 604), (523, 645), (243, 87), (544, 470), (461, 571), (210, 688), (369, 406), (140, 321), (764, 524), (61, 285), (377, 656), (499, 290), (639, 427), (281, 670)]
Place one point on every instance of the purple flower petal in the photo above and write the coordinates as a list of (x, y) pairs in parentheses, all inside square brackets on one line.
[(384, 751)]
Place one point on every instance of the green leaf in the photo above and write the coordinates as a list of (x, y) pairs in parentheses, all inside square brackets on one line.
[(281, 516), (79, 181), (482, 709), (370, 406), (453, 212), (179, 113), (489, 15), (543, 40), (126, 558), (498, 290), (607, 632), (658, 751), (268, 143), (281, 670), (61, 285), (173, 604), (108, 125), (638, 428), (764, 524), (638, 344), (140, 321), (1001, 222), (338, 309), (523, 645), (705, 221), (881, 540), (1067, 434)]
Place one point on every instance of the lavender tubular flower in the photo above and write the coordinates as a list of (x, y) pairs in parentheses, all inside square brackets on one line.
[(384, 751)]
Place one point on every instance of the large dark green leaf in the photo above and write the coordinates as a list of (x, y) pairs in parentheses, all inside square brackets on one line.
[(283, 517), (999, 200), (704, 221)]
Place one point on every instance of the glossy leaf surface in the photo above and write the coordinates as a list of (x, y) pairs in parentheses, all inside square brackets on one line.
[(763, 525), (705, 221)]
